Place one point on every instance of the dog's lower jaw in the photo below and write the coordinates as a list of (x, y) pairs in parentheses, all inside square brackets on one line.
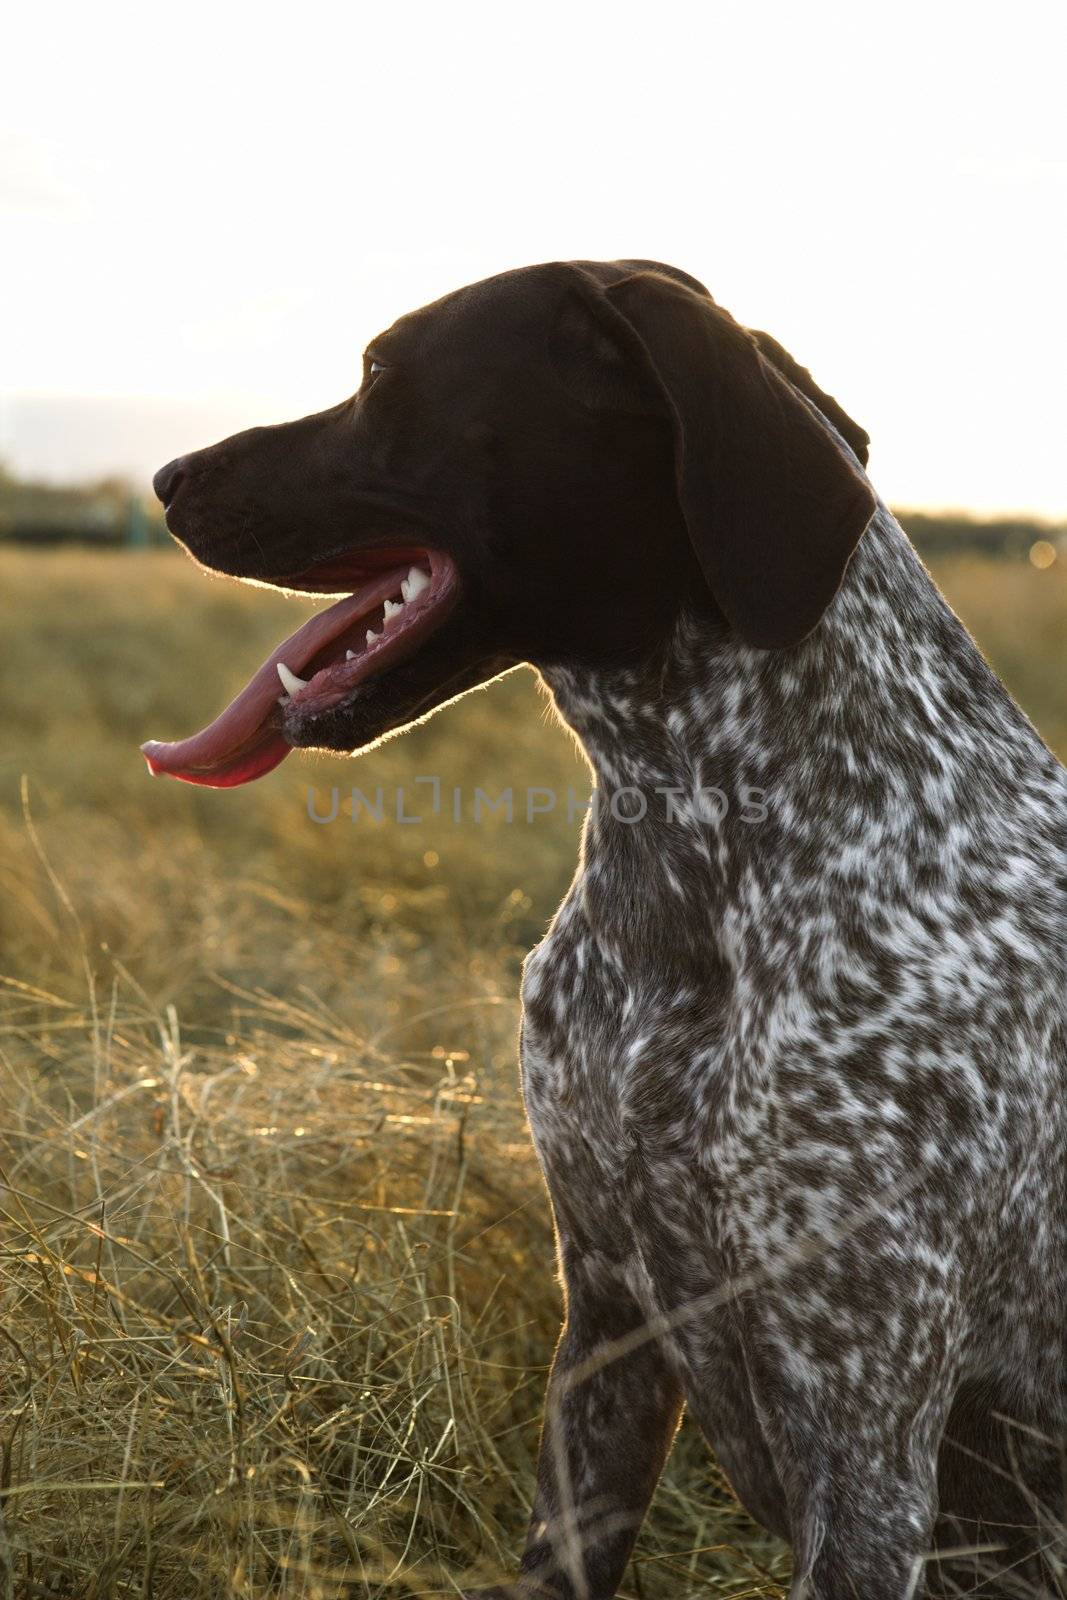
[(383, 707)]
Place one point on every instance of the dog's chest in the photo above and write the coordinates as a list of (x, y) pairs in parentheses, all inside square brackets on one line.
[(622, 1086)]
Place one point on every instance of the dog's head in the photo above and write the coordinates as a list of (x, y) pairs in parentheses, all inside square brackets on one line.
[(541, 467)]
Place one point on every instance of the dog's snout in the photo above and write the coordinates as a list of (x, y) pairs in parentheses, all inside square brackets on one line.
[(166, 481)]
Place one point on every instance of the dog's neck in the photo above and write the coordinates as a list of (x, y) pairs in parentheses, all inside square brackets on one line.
[(822, 780)]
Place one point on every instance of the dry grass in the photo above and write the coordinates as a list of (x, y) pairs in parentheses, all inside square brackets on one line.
[(277, 1303), (275, 1299)]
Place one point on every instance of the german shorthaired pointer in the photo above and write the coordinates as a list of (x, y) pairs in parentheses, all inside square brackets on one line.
[(794, 1050)]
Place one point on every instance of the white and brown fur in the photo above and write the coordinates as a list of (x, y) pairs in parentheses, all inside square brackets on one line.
[(798, 1090)]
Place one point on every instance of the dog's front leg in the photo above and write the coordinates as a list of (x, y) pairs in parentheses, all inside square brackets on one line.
[(612, 1411)]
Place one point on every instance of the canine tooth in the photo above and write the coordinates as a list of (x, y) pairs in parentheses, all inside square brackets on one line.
[(290, 682), (405, 590), (416, 582), (283, 699), (372, 638), (350, 655), (392, 607)]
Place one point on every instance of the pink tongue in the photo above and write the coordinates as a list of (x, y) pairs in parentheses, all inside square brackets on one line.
[(246, 740)]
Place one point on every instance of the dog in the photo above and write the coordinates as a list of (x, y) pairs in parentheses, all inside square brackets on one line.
[(794, 1048)]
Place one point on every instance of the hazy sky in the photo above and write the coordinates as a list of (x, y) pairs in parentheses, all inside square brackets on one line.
[(207, 209)]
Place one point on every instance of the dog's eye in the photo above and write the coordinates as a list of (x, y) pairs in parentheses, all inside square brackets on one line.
[(374, 369)]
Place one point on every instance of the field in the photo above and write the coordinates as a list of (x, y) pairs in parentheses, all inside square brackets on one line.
[(276, 1299)]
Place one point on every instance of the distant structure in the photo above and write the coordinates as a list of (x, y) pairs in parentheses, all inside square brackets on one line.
[(107, 513)]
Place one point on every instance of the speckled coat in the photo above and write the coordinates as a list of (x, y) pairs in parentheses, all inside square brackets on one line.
[(794, 1057)]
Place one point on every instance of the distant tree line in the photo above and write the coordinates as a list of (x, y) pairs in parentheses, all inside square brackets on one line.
[(110, 512), (938, 533), (113, 512)]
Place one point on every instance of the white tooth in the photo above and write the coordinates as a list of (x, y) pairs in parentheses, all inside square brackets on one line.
[(350, 655), (290, 682), (405, 590), (392, 607), (283, 699), (372, 638), (417, 581)]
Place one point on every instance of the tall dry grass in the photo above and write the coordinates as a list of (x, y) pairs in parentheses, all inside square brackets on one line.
[(275, 1290)]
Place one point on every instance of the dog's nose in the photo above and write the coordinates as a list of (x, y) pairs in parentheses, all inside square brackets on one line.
[(166, 481)]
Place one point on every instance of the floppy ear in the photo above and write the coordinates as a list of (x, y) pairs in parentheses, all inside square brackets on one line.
[(857, 438), (595, 365), (773, 504)]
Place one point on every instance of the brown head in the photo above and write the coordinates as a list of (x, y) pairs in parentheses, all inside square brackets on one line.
[(546, 466)]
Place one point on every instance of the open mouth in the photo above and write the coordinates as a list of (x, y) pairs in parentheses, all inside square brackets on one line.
[(393, 600)]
